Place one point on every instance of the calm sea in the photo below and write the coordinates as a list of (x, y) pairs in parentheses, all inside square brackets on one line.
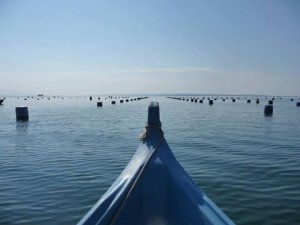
[(55, 167)]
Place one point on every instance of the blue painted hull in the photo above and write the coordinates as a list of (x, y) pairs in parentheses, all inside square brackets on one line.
[(154, 189)]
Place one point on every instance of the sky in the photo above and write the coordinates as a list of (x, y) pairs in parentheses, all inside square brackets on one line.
[(80, 47)]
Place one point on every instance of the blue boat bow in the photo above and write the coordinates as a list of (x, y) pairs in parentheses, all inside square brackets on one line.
[(154, 189)]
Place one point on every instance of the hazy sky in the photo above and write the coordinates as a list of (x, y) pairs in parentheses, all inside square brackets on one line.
[(149, 46)]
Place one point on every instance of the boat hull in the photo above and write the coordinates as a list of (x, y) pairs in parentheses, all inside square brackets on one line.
[(154, 189)]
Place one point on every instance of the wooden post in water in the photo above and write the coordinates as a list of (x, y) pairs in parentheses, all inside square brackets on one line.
[(22, 113), (268, 110)]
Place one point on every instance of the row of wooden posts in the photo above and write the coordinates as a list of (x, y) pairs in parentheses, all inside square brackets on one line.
[(22, 113), (100, 104), (268, 110)]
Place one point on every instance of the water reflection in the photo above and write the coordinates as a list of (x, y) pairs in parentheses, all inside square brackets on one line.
[(22, 127), (21, 142), (268, 117)]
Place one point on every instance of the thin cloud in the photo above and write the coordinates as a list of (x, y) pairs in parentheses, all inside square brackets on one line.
[(158, 70), (145, 71), (176, 70)]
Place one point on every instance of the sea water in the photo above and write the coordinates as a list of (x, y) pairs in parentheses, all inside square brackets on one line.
[(55, 167)]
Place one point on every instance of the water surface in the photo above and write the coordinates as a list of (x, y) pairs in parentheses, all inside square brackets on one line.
[(57, 165)]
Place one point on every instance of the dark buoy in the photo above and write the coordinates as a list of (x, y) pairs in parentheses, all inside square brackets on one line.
[(298, 104), (270, 102), (113, 102), (233, 100), (91, 98), (200, 101), (121, 101), (22, 113), (292, 99), (127, 100), (257, 101), (268, 110), (99, 104), (210, 102), (248, 101)]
